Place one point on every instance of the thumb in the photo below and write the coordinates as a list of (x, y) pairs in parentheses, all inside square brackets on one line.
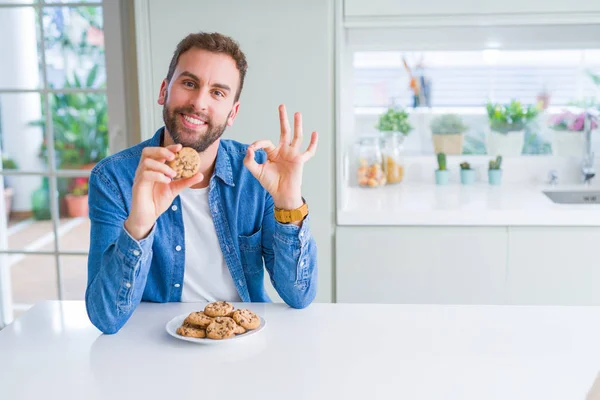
[(180, 184), (251, 163)]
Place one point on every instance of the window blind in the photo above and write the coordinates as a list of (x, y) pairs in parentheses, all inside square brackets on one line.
[(470, 78)]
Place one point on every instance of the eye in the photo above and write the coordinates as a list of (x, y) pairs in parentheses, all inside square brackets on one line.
[(219, 93), (190, 84)]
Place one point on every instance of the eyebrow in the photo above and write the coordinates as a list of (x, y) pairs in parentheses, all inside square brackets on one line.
[(222, 86), (217, 85)]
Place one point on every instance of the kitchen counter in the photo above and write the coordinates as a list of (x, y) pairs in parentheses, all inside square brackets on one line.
[(326, 351), (463, 205)]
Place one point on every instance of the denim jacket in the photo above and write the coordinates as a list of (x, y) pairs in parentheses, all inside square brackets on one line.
[(123, 271)]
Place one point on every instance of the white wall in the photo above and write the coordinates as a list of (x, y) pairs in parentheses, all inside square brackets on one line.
[(289, 47), (20, 71)]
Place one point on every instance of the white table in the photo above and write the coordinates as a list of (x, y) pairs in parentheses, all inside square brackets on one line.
[(327, 351)]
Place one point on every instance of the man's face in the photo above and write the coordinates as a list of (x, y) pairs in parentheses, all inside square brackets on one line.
[(198, 102)]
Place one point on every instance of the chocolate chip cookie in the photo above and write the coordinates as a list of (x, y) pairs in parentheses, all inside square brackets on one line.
[(246, 318), (198, 319), (186, 163), (191, 331), (221, 328), (239, 329), (218, 309)]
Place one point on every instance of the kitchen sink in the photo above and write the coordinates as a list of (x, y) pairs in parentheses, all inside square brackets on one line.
[(574, 197)]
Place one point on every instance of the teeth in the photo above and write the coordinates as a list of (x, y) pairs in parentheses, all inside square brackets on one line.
[(193, 120)]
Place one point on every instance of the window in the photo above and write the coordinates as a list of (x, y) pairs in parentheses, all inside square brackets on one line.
[(470, 78), (468, 65), (462, 82), (53, 130)]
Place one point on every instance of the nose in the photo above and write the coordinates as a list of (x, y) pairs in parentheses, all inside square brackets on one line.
[(200, 100)]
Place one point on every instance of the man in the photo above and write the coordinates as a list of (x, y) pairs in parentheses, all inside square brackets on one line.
[(208, 237)]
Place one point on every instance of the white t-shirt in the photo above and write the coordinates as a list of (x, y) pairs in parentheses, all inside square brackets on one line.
[(206, 276)]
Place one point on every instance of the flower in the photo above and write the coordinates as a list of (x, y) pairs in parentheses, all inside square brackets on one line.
[(79, 186), (568, 121)]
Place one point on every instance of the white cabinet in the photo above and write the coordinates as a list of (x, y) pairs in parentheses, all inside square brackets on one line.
[(420, 265), (387, 8), (465, 265), (556, 266)]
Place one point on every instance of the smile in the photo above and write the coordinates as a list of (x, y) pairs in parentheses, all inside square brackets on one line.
[(191, 121)]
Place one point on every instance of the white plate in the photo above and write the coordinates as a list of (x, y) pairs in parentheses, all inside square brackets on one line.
[(176, 322)]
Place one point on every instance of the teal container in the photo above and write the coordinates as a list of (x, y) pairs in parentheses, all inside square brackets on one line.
[(495, 176), (467, 176), (442, 177)]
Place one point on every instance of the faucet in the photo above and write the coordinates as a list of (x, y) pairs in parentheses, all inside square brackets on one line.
[(553, 177), (587, 167)]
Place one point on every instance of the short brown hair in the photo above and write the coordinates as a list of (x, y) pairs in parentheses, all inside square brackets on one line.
[(213, 42)]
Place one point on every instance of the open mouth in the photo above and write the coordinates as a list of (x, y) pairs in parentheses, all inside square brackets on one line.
[(192, 122)]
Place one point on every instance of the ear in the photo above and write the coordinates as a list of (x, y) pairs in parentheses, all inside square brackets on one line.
[(233, 113), (162, 94)]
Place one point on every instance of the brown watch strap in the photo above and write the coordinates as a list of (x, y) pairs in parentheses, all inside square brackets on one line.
[(287, 216)]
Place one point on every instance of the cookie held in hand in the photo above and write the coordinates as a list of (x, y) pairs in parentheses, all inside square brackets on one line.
[(186, 163)]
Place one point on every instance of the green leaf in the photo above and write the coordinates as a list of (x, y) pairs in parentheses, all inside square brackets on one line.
[(91, 78), (595, 78), (77, 81)]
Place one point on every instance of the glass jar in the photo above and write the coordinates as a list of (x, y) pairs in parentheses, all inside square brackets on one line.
[(369, 163), (393, 156)]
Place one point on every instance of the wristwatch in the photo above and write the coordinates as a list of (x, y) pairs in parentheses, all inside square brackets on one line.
[(287, 216)]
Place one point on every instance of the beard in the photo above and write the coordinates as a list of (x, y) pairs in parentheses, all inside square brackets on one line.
[(177, 130)]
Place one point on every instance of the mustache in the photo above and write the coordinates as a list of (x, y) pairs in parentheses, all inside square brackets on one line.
[(190, 111)]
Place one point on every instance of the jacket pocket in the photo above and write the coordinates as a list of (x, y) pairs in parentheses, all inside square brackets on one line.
[(251, 252)]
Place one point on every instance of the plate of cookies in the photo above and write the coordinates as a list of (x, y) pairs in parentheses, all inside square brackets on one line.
[(218, 322)]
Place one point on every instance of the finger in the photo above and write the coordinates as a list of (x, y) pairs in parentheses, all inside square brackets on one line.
[(265, 144), (149, 164), (297, 140), (312, 147), (153, 177), (285, 126), (175, 148), (180, 184), (251, 163), (160, 154)]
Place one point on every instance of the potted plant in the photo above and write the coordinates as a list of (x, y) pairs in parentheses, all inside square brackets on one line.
[(567, 133), (448, 134), (495, 171), (442, 175), (80, 123), (77, 199), (467, 175), (8, 163), (394, 120), (507, 124)]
